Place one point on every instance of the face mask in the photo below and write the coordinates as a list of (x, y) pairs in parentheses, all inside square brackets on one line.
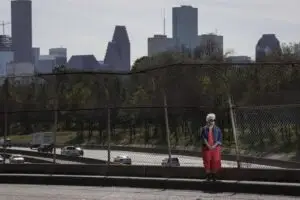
[(211, 122)]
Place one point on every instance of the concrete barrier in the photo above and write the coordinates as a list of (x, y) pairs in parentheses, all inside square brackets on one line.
[(161, 183), (59, 157), (270, 175)]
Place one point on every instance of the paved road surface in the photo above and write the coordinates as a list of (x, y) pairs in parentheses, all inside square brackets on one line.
[(139, 158), (36, 192)]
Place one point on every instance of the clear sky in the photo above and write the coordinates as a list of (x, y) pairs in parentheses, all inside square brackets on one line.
[(85, 26)]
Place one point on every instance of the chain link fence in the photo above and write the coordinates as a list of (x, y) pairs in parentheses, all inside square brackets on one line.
[(153, 115), (267, 112)]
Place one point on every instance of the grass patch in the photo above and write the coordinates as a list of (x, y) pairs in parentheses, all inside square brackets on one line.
[(61, 138)]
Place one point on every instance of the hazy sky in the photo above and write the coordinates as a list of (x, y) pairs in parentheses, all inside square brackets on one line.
[(85, 26)]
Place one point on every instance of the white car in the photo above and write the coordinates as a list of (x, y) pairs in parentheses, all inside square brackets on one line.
[(125, 160), (16, 159), (2, 160), (71, 151), (173, 162)]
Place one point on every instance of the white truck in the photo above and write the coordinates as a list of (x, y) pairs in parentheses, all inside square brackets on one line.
[(41, 138)]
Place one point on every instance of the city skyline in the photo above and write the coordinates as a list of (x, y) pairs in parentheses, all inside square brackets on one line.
[(241, 24)]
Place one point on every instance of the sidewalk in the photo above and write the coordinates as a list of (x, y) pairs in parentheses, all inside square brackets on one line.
[(288, 189)]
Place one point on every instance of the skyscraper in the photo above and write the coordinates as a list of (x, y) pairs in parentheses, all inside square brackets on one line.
[(185, 26), (118, 50), (21, 29), (267, 45)]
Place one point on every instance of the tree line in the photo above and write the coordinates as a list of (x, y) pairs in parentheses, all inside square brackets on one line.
[(192, 87)]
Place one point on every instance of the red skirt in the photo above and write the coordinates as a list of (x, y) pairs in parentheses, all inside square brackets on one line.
[(211, 158)]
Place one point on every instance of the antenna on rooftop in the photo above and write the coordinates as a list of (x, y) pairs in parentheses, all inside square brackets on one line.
[(216, 31), (164, 28), (3, 24)]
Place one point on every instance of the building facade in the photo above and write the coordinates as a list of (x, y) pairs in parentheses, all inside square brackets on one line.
[(160, 43), (185, 26), (211, 45), (46, 64), (21, 29), (83, 63), (20, 69), (6, 57), (60, 55), (239, 59), (5, 43), (35, 56)]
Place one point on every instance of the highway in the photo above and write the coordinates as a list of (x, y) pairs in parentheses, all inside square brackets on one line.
[(38, 192), (139, 158)]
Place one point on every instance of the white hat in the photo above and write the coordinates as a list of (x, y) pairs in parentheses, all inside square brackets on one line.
[(210, 116)]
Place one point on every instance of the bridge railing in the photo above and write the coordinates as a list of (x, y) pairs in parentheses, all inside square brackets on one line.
[(160, 109)]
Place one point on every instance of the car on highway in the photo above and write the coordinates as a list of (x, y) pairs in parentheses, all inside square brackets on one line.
[(123, 159), (71, 151), (80, 150), (45, 148), (6, 142), (2, 160), (170, 162), (16, 159)]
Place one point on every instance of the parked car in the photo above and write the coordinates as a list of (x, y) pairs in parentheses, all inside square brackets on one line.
[(71, 151), (2, 160), (45, 148), (125, 160), (173, 162), (16, 159)]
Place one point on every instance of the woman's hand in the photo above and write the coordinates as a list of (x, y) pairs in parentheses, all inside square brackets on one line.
[(214, 146)]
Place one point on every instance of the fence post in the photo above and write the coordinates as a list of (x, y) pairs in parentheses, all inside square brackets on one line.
[(55, 118), (237, 151), (5, 117), (108, 135), (167, 124)]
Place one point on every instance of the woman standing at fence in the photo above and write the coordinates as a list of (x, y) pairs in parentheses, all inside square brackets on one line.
[(211, 137)]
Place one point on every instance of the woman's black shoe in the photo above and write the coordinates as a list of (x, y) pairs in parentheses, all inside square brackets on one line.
[(209, 177), (213, 177)]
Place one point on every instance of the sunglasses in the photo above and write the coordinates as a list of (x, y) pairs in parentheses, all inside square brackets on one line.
[(212, 120)]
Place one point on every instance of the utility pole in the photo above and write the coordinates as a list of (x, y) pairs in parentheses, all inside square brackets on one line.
[(3, 24)]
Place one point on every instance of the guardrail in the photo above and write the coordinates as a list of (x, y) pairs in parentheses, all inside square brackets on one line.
[(269, 175), (59, 157), (28, 159), (194, 153)]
